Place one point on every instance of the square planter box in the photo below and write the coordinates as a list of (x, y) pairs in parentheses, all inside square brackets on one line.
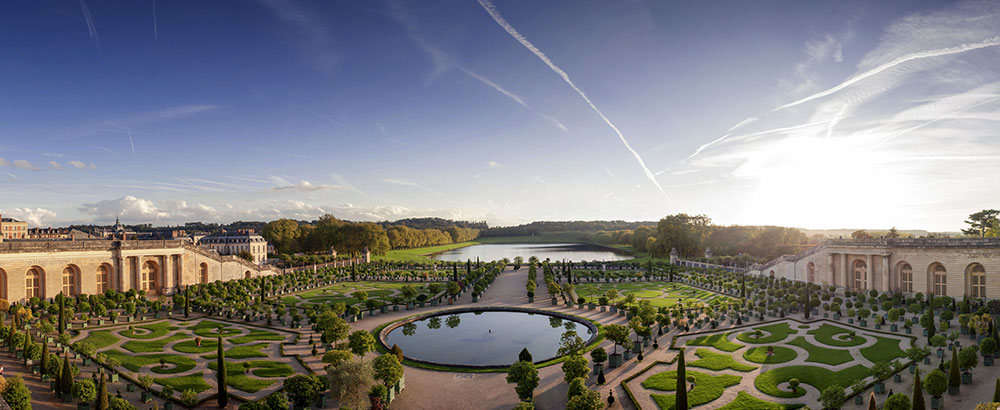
[(114, 377), (966, 378), (146, 397), (129, 387), (988, 361)]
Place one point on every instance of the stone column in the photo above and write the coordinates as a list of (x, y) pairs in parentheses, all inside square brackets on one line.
[(843, 269), (885, 272), (165, 274), (869, 274), (180, 271), (833, 272)]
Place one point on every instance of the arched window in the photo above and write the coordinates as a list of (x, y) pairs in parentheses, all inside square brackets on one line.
[(905, 278), (33, 283), (69, 280), (939, 279), (150, 271), (860, 274), (977, 281), (246, 275), (103, 276), (204, 272), (3, 284), (811, 270)]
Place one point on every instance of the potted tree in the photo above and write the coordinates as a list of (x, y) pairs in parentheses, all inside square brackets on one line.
[(881, 371), (968, 359), (85, 392), (915, 354), (619, 335), (936, 383), (988, 346), (598, 356)]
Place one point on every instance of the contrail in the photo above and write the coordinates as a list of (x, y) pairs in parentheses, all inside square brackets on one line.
[(990, 42), (155, 36), (493, 12), (512, 96), (742, 123), (329, 119), (90, 24), (722, 138), (131, 142)]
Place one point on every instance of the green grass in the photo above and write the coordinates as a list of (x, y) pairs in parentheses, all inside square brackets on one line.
[(718, 361), (884, 350), (100, 338), (773, 333), (188, 346), (236, 378), (825, 355), (194, 382), (759, 355), (707, 387), (420, 254), (208, 328), (717, 341), (157, 330), (151, 346), (135, 363), (241, 352), (744, 401), (817, 377), (824, 334), (660, 294), (257, 335)]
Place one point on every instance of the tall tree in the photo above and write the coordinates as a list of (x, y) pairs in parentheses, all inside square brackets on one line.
[(681, 398), (187, 301), (983, 223), (62, 310), (101, 402), (66, 378), (918, 392), (954, 376), (283, 234), (220, 376)]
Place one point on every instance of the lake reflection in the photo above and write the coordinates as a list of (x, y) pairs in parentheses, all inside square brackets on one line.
[(491, 338), (554, 251)]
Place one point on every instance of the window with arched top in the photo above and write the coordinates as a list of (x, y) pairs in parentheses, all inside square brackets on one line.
[(204, 272), (150, 271), (939, 279), (905, 278), (860, 274), (33, 283), (977, 281), (103, 278), (70, 278), (246, 275), (811, 270), (3, 284)]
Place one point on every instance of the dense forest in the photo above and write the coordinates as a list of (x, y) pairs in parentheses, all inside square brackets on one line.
[(579, 228)]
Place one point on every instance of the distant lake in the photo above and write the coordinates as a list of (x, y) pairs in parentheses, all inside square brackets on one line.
[(555, 251)]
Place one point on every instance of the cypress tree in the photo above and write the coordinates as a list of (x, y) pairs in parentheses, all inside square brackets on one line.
[(806, 302), (66, 379), (44, 363), (220, 377), (187, 301), (872, 405), (918, 393), (101, 402), (62, 308), (996, 391), (930, 329), (681, 398), (954, 376), (454, 271), (27, 342)]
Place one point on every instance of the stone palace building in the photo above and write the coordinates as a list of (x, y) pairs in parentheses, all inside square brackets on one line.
[(954, 267), (45, 268)]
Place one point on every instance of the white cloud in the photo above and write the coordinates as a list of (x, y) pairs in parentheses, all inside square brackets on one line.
[(494, 164), (138, 210), (25, 165), (3, 162), (34, 217), (403, 182), (55, 165), (78, 164)]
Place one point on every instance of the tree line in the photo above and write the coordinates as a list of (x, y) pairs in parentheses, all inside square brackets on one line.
[(351, 238), (404, 237)]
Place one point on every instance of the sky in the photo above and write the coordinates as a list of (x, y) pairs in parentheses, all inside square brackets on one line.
[(808, 114)]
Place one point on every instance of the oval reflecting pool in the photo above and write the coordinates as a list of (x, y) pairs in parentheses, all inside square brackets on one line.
[(483, 338)]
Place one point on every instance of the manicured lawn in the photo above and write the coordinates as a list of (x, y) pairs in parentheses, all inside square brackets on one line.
[(884, 350), (660, 294), (236, 378), (717, 341), (718, 361), (256, 335), (241, 352), (707, 387), (189, 346), (759, 355), (745, 401), (773, 333), (817, 377), (823, 355), (156, 330), (418, 254), (194, 382), (208, 328), (100, 338), (135, 363), (152, 346), (824, 334)]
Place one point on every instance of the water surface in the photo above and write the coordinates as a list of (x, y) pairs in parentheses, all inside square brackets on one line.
[(554, 251)]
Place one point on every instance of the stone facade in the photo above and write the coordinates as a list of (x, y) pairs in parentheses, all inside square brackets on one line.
[(954, 267), (160, 267), (233, 243), (11, 228)]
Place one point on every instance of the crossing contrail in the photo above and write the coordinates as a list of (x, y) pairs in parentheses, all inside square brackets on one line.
[(990, 42), (493, 12)]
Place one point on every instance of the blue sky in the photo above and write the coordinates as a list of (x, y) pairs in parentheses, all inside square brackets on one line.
[(845, 114)]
